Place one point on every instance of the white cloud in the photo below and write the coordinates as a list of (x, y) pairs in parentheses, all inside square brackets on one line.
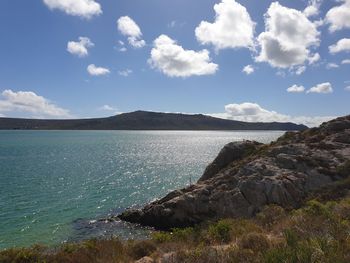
[(339, 17), (125, 73), (136, 43), (314, 58), (121, 46), (80, 48), (347, 88), (313, 8), (324, 88), (341, 45), (253, 112), (107, 108), (346, 61), (232, 28), (82, 8), (296, 89), (174, 61), (300, 70), (130, 29), (288, 37), (249, 69), (97, 71), (30, 103), (332, 66)]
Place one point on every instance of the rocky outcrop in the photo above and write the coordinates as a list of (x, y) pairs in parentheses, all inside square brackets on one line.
[(231, 152), (246, 176)]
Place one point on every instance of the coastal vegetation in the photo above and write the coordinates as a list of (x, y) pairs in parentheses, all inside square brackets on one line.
[(319, 231)]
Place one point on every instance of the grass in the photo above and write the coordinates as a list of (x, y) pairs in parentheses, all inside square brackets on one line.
[(317, 232)]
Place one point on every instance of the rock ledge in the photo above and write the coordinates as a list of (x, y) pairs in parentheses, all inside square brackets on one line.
[(248, 175)]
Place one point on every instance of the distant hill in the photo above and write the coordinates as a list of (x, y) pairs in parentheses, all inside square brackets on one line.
[(144, 120)]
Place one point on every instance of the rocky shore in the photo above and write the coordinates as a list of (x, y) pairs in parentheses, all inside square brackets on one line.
[(246, 176)]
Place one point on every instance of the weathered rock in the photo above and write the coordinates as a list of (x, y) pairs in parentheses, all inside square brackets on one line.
[(246, 176), (231, 152)]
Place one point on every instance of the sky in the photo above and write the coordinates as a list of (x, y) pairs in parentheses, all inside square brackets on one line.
[(242, 60)]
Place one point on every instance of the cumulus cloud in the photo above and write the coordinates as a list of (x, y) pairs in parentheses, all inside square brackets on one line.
[(253, 112), (313, 8), (346, 61), (300, 70), (339, 17), (174, 61), (97, 71), (341, 45), (324, 88), (82, 8), (30, 103), (296, 89), (232, 28), (249, 69), (332, 66), (131, 30), (80, 48), (288, 37), (314, 58), (125, 73)]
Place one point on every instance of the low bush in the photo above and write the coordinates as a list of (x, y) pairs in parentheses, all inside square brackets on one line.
[(256, 242), (221, 231)]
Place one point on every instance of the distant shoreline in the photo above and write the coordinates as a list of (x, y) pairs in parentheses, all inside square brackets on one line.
[(148, 121)]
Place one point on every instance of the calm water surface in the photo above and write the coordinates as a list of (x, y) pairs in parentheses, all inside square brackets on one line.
[(54, 185)]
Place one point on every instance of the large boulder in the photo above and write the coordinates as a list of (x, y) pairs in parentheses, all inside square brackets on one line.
[(246, 176), (231, 152)]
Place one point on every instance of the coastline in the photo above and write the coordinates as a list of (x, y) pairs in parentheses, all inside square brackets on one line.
[(285, 230)]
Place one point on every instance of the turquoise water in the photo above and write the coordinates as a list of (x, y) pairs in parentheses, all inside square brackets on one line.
[(54, 185)]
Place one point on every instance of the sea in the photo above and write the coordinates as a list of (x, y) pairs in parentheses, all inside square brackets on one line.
[(61, 186)]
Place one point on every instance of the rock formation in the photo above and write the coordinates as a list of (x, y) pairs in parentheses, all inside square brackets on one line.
[(247, 175)]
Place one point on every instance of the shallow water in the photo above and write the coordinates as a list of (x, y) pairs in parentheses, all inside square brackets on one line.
[(54, 185)]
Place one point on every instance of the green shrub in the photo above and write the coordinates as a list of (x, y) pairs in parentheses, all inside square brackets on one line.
[(21, 255), (161, 237), (188, 234), (220, 231), (316, 208), (291, 238)]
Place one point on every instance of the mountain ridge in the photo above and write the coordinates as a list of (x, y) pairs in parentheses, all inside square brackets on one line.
[(144, 120)]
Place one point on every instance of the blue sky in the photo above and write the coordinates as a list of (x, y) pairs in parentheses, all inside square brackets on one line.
[(72, 59)]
